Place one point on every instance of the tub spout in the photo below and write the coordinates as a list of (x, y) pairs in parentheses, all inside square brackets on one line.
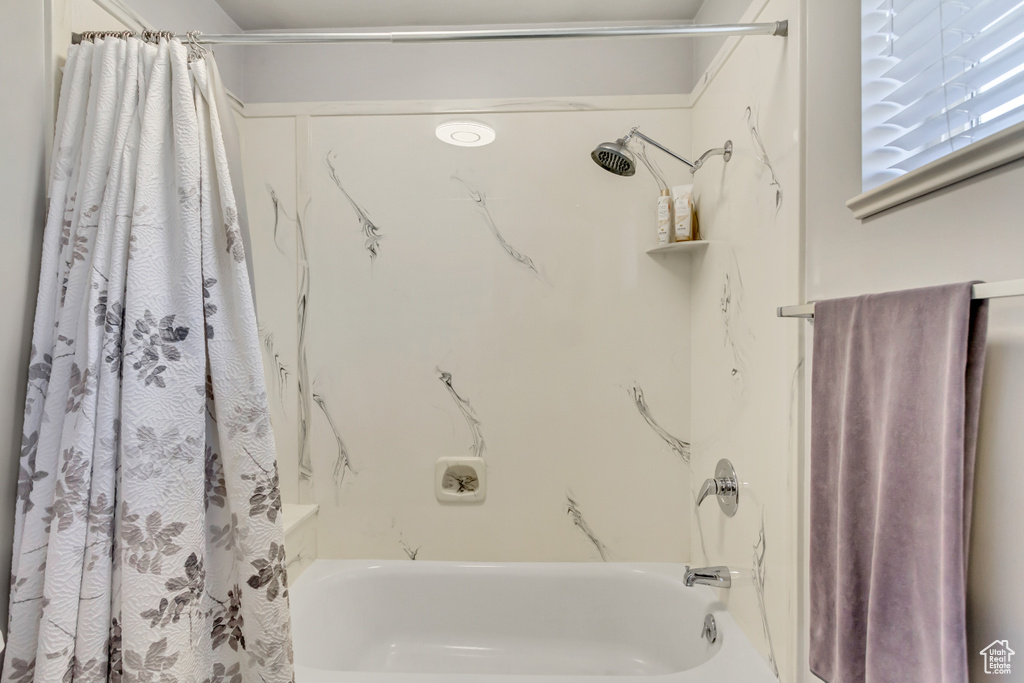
[(718, 577)]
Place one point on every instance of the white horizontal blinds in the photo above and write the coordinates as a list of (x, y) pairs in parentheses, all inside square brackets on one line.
[(936, 75)]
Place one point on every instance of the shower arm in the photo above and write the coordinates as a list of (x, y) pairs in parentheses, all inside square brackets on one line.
[(724, 151)]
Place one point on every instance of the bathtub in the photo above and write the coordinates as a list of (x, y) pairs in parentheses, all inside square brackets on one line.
[(428, 622)]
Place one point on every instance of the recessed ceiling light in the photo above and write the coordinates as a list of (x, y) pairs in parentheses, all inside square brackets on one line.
[(465, 133)]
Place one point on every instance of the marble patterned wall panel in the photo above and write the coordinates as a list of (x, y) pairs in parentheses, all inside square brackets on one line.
[(745, 387), (269, 175), (495, 302)]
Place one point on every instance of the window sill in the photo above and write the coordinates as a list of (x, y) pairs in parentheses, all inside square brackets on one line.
[(983, 155)]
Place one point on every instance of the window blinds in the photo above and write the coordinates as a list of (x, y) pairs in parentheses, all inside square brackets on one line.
[(936, 75)]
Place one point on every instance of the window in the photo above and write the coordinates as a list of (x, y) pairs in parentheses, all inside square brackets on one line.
[(936, 76)]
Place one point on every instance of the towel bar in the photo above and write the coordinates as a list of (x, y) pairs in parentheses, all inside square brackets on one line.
[(982, 290)]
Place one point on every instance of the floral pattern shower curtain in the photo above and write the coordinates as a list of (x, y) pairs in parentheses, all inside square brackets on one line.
[(148, 537)]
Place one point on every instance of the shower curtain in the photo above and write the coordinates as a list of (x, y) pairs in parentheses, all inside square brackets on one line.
[(148, 539)]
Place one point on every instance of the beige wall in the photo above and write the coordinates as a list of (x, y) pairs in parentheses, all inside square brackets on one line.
[(969, 231), (22, 149)]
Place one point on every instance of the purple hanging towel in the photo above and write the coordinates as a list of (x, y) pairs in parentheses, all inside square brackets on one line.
[(896, 386)]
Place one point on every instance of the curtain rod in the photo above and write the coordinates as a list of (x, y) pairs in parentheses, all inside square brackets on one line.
[(982, 290), (775, 28)]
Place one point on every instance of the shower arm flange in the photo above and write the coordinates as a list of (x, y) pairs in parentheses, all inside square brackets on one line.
[(724, 151)]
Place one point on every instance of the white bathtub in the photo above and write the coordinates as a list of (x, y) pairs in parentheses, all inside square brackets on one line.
[(420, 622)]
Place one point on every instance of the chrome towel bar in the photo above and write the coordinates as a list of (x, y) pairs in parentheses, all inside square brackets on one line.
[(982, 290)]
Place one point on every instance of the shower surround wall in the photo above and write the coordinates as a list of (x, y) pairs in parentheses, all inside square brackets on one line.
[(493, 302), (498, 301), (747, 369)]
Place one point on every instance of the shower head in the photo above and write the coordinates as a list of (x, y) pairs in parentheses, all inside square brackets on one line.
[(615, 157)]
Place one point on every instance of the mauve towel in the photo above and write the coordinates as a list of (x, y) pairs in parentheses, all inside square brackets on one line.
[(894, 420)]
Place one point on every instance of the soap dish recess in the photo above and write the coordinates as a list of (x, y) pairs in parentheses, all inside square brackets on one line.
[(460, 480)]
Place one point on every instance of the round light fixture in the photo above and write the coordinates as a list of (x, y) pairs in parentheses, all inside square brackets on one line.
[(465, 133)]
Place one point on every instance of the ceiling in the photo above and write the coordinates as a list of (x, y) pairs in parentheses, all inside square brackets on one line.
[(345, 14)]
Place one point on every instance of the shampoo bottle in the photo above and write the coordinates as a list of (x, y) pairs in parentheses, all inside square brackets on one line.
[(664, 217), (683, 225)]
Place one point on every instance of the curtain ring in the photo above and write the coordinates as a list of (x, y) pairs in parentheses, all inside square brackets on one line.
[(196, 51)]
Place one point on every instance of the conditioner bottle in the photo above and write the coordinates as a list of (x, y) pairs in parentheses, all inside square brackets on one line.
[(683, 224)]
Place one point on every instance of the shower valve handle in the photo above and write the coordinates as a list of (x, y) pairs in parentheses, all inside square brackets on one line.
[(725, 486)]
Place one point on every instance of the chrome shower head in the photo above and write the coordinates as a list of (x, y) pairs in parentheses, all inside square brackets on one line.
[(615, 157)]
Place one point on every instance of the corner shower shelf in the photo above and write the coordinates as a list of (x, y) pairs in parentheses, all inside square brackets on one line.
[(688, 247)]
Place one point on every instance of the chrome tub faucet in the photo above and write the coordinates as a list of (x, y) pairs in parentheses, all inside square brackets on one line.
[(717, 577)]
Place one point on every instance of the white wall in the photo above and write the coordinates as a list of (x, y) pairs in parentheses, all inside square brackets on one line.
[(547, 358), (969, 231), (715, 12), (22, 190), (747, 363), (478, 70)]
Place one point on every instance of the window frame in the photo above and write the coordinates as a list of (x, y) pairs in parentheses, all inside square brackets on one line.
[(978, 157)]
